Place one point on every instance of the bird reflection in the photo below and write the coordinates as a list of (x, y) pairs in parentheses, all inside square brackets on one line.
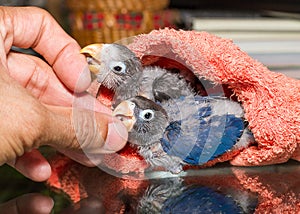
[(220, 189), (173, 196)]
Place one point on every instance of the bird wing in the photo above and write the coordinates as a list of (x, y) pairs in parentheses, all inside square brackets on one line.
[(202, 135), (199, 199), (170, 86), (154, 83)]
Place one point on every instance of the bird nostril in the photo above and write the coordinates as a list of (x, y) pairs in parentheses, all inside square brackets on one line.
[(92, 61), (123, 117), (89, 60), (132, 105), (128, 121)]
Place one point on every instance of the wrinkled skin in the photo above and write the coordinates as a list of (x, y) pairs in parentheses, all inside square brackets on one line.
[(36, 97)]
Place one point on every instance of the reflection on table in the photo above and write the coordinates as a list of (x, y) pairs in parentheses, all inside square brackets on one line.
[(220, 189)]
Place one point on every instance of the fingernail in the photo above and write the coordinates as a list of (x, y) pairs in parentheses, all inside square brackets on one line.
[(84, 80), (50, 205), (116, 137)]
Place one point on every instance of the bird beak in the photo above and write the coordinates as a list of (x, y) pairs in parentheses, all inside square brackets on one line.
[(93, 53), (125, 112), (142, 94)]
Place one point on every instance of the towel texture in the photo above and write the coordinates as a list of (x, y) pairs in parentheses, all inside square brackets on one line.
[(271, 100)]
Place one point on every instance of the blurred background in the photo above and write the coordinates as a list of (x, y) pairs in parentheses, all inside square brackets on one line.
[(268, 31)]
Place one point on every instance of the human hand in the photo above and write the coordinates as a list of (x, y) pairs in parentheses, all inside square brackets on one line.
[(28, 203), (37, 98)]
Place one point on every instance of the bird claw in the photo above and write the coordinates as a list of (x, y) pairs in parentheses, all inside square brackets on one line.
[(176, 169)]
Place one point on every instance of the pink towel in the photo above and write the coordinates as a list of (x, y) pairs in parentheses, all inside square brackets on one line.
[(271, 100)]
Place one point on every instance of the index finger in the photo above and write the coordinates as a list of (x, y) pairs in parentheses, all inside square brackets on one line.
[(27, 27)]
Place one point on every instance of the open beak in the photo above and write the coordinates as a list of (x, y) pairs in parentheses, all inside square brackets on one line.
[(93, 53), (125, 112)]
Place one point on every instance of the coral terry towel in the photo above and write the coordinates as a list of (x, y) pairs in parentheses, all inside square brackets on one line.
[(271, 100)]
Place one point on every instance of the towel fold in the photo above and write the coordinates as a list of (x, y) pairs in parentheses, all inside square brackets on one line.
[(271, 100)]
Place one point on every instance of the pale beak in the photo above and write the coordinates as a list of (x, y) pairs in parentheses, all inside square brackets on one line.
[(93, 53), (142, 94), (125, 112)]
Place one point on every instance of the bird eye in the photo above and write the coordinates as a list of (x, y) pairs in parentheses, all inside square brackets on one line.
[(117, 67), (147, 115)]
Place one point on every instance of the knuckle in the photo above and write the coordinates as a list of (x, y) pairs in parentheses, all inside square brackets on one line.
[(88, 133), (38, 82)]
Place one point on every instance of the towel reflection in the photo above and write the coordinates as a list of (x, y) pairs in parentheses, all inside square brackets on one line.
[(220, 189)]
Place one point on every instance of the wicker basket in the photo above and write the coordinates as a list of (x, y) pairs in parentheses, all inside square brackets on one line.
[(117, 5), (107, 21)]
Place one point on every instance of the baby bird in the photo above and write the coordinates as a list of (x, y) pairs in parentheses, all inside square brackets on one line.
[(190, 130), (116, 67), (112, 64)]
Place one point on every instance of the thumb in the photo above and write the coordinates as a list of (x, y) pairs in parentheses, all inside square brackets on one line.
[(80, 132)]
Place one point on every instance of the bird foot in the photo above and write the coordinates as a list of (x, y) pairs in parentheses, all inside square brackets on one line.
[(176, 169)]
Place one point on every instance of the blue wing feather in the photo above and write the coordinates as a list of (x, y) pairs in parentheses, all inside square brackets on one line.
[(216, 134)]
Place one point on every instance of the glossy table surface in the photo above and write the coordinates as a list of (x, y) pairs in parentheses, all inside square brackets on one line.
[(220, 189)]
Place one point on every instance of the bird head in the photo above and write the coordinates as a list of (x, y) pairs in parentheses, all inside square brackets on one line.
[(112, 64), (144, 119)]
